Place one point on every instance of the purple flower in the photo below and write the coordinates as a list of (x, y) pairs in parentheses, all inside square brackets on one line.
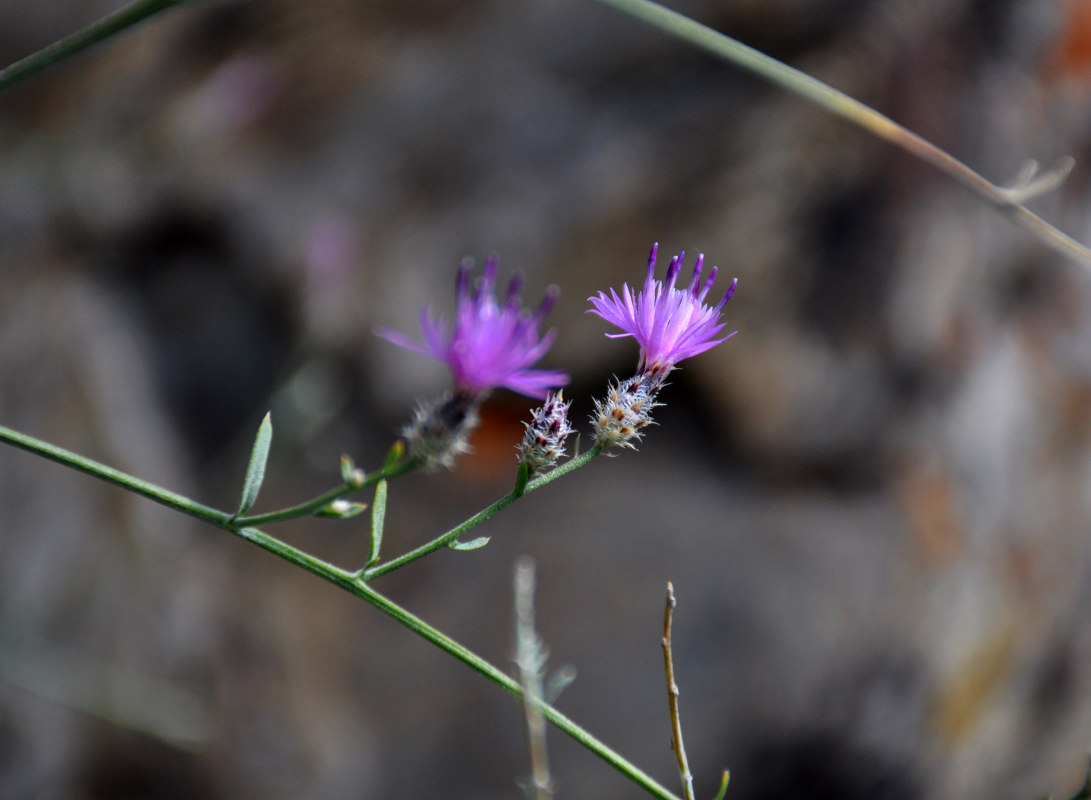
[(490, 345), (669, 324)]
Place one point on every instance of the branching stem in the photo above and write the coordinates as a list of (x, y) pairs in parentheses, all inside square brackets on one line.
[(1006, 200), (348, 581), (672, 698), (370, 573)]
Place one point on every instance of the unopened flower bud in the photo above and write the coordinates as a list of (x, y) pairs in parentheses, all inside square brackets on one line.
[(620, 418), (440, 430), (543, 442)]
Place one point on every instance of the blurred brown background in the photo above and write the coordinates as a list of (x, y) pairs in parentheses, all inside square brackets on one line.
[(873, 502)]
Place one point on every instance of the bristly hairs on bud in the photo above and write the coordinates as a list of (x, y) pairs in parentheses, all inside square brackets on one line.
[(439, 431), (543, 442), (621, 417)]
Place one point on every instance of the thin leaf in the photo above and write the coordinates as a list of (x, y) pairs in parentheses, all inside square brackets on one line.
[(723, 786), (255, 470), (348, 467), (352, 476), (378, 519), (394, 455), (341, 509), (473, 544)]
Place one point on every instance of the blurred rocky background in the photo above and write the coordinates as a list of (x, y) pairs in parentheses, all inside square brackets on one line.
[(873, 502)]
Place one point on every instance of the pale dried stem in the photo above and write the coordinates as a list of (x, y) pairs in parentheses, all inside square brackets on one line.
[(672, 698), (530, 657), (1007, 200)]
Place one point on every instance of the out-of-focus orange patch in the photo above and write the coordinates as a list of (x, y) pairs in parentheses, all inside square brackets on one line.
[(929, 500), (495, 439), (1071, 57)]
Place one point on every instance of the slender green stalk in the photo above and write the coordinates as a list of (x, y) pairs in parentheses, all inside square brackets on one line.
[(475, 662), (111, 475), (296, 511), (349, 581), (98, 31), (184, 504), (569, 466), (323, 500), (370, 573), (1007, 200)]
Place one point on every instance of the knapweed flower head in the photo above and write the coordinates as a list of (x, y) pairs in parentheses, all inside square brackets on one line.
[(620, 418), (440, 430), (490, 344), (543, 442), (668, 323)]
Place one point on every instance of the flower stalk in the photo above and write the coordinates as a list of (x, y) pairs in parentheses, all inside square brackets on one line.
[(353, 582), (368, 574)]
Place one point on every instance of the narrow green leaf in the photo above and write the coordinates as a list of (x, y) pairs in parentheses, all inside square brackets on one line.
[(378, 519), (521, 479), (341, 509), (723, 786), (255, 470), (347, 468), (473, 544), (394, 455), (352, 476)]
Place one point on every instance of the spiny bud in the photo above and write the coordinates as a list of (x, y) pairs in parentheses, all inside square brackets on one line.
[(439, 432), (543, 442), (621, 417)]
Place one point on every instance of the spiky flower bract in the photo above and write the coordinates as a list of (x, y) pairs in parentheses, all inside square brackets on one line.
[(543, 442), (620, 418), (489, 345), (668, 323), (440, 430)]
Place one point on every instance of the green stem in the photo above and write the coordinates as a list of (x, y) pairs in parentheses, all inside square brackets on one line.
[(349, 581), (571, 465), (97, 31), (444, 539), (310, 506), (111, 475), (370, 573), (475, 662), (184, 504), (846, 107)]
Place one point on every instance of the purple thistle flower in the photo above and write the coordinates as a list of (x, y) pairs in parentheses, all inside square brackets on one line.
[(669, 324), (490, 345)]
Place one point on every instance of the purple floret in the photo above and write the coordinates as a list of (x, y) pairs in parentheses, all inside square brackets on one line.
[(669, 324), (490, 345)]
